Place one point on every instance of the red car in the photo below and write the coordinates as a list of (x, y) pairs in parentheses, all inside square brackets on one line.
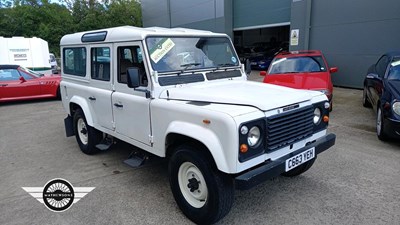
[(19, 83), (302, 70)]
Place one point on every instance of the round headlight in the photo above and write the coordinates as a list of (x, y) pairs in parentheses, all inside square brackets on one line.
[(396, 108), (253, 136), (317, 116)]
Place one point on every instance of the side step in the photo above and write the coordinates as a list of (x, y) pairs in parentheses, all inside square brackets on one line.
[(105, 144), (136, 159)]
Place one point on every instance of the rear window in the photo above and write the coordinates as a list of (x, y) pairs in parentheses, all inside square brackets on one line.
[(297, 65)]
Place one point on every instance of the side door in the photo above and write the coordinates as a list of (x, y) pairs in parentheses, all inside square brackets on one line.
[(100, 83), (15, 86), (377, 79), (131, 107)]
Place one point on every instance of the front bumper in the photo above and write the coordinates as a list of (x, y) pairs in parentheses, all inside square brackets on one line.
[(392, 127), (271, 169)]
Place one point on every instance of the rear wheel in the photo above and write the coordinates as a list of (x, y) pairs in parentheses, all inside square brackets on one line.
[(86, 136), (300, 169), (203, 193), (380, 127)]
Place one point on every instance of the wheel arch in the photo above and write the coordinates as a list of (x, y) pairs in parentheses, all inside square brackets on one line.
[(207, 143), (79, 103)]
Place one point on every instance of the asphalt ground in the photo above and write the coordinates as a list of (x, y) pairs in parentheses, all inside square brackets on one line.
[(355, 182)]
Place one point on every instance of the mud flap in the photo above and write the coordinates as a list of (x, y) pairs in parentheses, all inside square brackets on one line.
[(69, 126)]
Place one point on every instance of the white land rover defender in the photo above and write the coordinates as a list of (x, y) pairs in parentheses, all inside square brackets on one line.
[(183, 94)]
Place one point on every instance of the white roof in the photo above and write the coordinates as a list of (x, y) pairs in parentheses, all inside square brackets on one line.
[(130, 33)]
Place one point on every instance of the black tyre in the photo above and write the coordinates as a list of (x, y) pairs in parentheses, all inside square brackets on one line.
[(58, 93), (365, 100), (204, 194), (300, 169), (380, 126), (86, 136)]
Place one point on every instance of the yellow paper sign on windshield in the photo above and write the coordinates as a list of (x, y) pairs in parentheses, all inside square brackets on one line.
[(161, 49)]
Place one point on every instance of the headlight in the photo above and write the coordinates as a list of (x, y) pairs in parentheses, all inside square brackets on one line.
[(253, 137), (396, 108), (325, 91), (317, 116)]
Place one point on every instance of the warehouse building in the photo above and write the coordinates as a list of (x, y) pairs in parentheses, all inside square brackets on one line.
[(351, 34)]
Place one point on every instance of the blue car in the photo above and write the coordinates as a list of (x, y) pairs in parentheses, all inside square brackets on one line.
[(260, 62), (382, 93)]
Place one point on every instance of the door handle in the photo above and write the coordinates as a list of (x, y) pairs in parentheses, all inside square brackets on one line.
[(3, 85), (92, 98), (118, 105)]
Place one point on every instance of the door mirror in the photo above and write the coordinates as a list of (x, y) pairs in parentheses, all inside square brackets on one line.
[(22, 79), (333, 70), (133, 77), (247, 66)]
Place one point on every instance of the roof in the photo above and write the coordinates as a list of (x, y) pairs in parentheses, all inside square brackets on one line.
[(2, 67), (299, 53), (130, 33)]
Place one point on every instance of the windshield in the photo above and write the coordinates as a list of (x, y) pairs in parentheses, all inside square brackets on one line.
[(301, 64), (394, 71), (36, 74), (187, 53)]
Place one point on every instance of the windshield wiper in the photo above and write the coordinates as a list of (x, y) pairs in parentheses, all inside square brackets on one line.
[(187, 65), (225, 64)]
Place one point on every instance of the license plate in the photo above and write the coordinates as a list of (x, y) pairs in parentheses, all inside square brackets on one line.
[(253, 63), (299, 159)]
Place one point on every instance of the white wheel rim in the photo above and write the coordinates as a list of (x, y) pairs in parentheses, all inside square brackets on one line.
[(82, 131), (192, 185), (379, 122)]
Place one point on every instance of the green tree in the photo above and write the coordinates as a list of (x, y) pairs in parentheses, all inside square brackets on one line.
[(124, 12)]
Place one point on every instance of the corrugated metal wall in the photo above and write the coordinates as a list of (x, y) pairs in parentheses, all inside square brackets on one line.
[(213, 15), (352, 34), (258, 13)]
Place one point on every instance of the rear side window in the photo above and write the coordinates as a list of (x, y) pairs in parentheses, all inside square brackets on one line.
[(100, 63), (74, 61)]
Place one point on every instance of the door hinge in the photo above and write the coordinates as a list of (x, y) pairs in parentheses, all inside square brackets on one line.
[(151, 140)]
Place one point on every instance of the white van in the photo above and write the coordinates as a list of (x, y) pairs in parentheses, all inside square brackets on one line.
[(53, 61), (183, 94), (32, 53)]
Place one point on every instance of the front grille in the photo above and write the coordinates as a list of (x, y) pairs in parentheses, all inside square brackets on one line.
[(287, 128)]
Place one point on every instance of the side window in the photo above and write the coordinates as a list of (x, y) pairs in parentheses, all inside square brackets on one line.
[(381, 65), (130, 56), (9, 74), (25, 75), (74, 61), (100, 63)]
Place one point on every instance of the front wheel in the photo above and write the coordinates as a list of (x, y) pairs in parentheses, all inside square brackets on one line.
[(300, 169), (86, 136), (203, 193), (380, 131)]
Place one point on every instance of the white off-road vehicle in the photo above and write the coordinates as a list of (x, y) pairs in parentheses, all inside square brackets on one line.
[(183, 94)]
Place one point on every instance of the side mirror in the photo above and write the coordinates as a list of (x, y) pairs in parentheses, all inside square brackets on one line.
[(22, 79), (263, 73), (133, 77), (247, 66), (333, 70)]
